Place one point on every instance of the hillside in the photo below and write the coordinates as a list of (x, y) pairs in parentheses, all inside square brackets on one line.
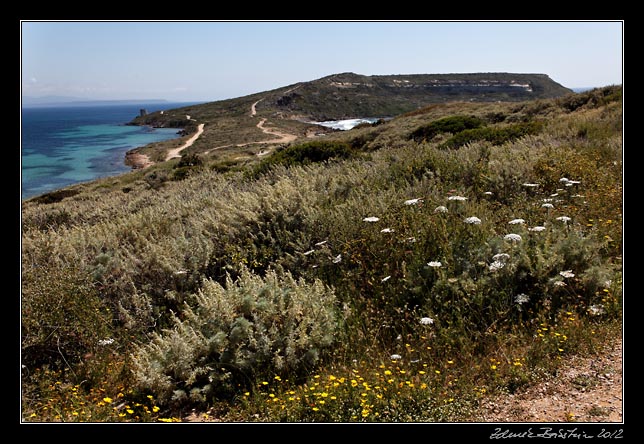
[(426, 268), (233, 124), (348, 95)]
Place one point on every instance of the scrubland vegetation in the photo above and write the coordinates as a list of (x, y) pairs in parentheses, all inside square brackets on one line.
[(399, 272)]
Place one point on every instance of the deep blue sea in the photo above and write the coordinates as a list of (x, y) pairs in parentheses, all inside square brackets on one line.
[(62, 146)]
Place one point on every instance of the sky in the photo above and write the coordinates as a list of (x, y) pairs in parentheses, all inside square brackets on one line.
[(207, 61)]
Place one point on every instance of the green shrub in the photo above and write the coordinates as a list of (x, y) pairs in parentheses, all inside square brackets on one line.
[(55, 196), (224, 166), (187, 165), (250, 329), (496, 136), (156, 179), (311, 152), (454, 125), (306, 153), (591, 99), (62, 317)]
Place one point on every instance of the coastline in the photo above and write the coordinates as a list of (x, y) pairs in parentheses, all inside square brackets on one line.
[(100, 141), (137, 161)]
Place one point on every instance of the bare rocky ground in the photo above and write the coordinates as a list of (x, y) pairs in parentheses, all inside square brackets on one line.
[(588, 389)]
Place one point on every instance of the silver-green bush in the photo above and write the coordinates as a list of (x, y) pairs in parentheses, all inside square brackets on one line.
[(255, 327)]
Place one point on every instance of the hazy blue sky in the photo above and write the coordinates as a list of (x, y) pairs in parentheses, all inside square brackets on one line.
[(194, 61)]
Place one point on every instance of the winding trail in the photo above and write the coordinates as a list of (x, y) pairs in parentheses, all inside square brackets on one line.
[(175, 152), (140, 161), (282, 137)]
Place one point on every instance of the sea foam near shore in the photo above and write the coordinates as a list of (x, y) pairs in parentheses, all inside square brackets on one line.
[(346, 124)]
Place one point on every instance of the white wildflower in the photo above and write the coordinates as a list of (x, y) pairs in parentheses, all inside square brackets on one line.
[(559, 284), (521, 298), (104, 342), (180, 272), (517, 221), (512, 237), (567, 182), (411, 239), (547, 205), (413, 201), (371, 219), (537, 228), (435, 264), (395, 357), (426, 321), (564, 219), (387, 230), (547, 199), (385, 279), (440, 209), (459, 198), (567, 273), (596, 310), (496, 265), (337, 259), (608, 283), (501, 257), (473, 220)]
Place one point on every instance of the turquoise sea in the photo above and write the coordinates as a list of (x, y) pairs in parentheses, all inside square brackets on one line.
[(62, 146)]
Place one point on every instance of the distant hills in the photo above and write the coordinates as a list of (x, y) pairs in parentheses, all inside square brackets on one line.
[(294, 110), (51, 101), (349, 95)]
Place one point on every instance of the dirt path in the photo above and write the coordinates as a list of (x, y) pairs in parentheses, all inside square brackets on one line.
[(253, 109), (143, 161), (281, 136), (175, 152), (585, 390)]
